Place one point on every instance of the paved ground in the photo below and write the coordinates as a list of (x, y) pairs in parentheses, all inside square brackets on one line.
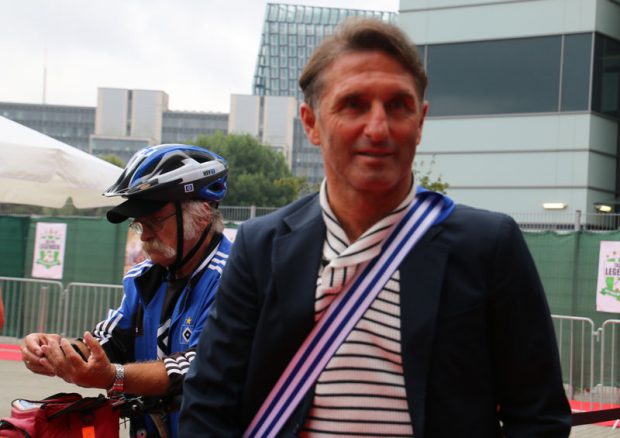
[(18, 382)]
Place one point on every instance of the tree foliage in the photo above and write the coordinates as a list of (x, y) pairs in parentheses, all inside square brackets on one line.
[(423, 176), (257, 174), (113, 159)]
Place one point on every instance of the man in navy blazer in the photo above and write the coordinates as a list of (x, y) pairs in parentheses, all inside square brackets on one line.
[(472, 352)]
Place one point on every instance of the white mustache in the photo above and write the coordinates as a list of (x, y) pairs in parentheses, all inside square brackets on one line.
[(158, 245)]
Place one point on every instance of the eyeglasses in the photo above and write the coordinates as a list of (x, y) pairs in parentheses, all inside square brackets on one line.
[(153, 225)]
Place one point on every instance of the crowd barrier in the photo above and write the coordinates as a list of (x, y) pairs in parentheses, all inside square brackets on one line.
[(33, 305), (243, 213), (86, 304), (590, 359), (590, 356)]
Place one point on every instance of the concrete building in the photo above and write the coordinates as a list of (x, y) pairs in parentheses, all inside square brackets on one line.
[(127, 120), (122, 122), (270, 119), (524, 100)]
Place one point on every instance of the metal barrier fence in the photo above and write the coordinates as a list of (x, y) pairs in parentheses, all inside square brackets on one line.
[(539, 221), (590, 361), (565, 221), (86, 304), (242, 214), (609, 389), (32, 305), (535, 221)]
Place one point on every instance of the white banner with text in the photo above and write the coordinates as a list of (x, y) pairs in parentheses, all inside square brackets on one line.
[(608, 284), (49, 250)]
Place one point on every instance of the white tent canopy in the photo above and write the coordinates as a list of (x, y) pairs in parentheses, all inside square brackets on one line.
[(38, 170)]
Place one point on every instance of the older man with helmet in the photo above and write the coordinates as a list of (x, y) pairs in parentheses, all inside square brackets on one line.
[(146, 345)]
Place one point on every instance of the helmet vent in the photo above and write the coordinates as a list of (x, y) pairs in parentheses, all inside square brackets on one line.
[(170, 166)]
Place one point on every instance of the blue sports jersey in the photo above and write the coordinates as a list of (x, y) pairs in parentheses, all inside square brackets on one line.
[(134, 331)]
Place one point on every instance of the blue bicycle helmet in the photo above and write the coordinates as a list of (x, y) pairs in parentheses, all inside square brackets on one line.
[(166, 173)]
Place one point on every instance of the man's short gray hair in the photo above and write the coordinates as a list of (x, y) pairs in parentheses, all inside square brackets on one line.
[(194, 209)]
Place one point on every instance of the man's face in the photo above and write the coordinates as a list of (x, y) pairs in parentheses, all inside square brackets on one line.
[(368, 124), (159, 233)]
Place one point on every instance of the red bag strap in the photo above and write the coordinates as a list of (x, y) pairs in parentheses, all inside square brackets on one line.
[(81, 405), (5, 424)]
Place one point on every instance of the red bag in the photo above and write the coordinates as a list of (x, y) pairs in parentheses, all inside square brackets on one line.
[(62, 415)]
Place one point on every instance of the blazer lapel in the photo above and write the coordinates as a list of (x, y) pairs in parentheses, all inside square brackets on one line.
[(421, 278), (297, 256)]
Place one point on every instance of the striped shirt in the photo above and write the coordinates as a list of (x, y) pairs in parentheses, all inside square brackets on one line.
[(361, 392)]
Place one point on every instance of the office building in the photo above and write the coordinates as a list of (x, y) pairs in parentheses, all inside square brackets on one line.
[(270, 119), (122, 122), (70, 124), (524, 100), (127, 120)]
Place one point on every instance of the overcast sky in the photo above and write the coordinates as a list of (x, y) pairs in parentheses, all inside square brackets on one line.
[(197, 51)]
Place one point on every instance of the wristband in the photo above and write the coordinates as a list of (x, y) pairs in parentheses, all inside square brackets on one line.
[(118, 385)]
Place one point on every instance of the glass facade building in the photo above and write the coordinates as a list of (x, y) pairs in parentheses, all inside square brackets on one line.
[(290, 34)]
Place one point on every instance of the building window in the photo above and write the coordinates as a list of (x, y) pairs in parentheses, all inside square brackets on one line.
[(494, 77), (333, 16), (576, 64), (273, 12), (606, 80)]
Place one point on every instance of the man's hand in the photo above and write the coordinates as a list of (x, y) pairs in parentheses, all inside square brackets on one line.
[(62, 360), (32, 352)]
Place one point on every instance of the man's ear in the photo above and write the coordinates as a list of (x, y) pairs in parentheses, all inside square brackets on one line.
[(309, 120), (424, 111)]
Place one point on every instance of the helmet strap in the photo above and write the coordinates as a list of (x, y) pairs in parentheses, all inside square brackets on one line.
[(195, 248), (180, 260), (180, 238)]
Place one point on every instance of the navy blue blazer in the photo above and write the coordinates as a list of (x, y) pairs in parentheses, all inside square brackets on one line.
[(478, 344)]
